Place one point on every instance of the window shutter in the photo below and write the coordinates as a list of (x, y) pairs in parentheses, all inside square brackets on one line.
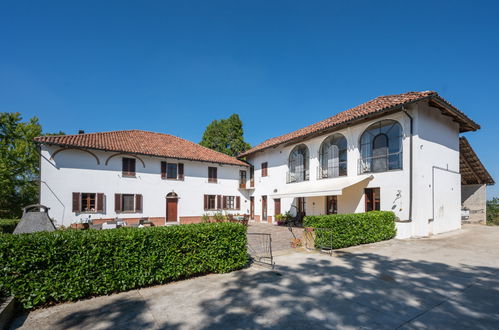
[(132, 166), (138, 203), (219, 201), (180, 171), (76, 202), (100, 202), (238, 202), (124, 166), (163, 170), (205, 202), (224, 198), (117, 203)]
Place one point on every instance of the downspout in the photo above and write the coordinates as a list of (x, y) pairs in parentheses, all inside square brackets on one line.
[(410, 161)]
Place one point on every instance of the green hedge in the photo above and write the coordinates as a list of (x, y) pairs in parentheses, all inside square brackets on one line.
[(44, 268), (8, 225), (352, 229)]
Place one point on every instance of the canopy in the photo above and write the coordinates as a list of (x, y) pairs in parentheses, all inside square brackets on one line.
[(325, 187)]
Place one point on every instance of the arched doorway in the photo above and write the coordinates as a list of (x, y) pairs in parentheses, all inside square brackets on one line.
[(172, 207)]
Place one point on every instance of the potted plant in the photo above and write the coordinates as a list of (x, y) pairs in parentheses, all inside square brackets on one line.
[(280, 219)]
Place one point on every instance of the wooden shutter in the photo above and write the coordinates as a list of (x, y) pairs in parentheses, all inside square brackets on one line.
[(238, 202), (163, 170), (76, 202), (117, 203), (180, 171), (205, 202), (219, 201), (100, 202), (277, 206), (138, 203), (264, 169)]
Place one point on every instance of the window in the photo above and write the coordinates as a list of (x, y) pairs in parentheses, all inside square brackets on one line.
[(381, 147), (373, 199), (229, 202), (298, 164), (128, 168), (88, 202), (331, 205), (212, 174), (265, 171), (252, 176), (210, 202), (277, 206), (130, 203), (333, 157), (172, 171), (242, 179)]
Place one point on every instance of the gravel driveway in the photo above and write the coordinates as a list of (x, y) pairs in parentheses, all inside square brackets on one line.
[(443, 282)]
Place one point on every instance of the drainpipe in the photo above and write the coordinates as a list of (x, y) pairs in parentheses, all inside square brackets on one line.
[(410, 161)]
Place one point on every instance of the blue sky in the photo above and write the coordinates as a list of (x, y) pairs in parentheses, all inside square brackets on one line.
[(173, 66)]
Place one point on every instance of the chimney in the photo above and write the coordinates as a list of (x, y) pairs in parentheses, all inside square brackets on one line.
[(81, 131)]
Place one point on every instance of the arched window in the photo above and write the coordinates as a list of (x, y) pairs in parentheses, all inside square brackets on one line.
[(381, 147), (333, 157), (298, 164)]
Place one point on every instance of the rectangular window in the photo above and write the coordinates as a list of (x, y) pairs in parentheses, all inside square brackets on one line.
[(229, 202), (265, 169), (372, 199), (210, 202), (277, 206), (128, 166), (212, 174), (127, 203), (171, 171), (252, 176), (88, 202), (331, 205), (242, 179)]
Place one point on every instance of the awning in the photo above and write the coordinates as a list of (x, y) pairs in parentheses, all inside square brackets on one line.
[(325, 187)]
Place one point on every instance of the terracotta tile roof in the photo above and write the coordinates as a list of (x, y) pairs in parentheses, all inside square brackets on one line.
[(470, 166), (143, 143), (366, 110)]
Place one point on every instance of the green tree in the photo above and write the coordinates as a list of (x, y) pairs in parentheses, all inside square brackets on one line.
[(19, 163), (493, 211), (225, 136)]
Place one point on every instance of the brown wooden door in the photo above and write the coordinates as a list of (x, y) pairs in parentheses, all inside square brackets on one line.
[(171, 209), (252, 207), (301, 208), (264, 208), (277, 206)]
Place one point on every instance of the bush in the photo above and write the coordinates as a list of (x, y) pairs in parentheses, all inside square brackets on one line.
[(352, 229), (44, 268), (8, 225)]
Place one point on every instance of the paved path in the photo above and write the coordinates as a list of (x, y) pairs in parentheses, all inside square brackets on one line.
[(445, 282), (281, 235)]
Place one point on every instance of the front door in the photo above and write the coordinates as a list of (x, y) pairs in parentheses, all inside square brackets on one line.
[(301, 209), (252, 207), (331, 205), (264, 208), (171, 209)]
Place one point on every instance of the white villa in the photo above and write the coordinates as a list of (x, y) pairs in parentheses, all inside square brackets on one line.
[(397, 152)]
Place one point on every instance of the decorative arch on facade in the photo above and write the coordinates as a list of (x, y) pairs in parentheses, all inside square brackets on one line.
[(72, 148), (128, 155)]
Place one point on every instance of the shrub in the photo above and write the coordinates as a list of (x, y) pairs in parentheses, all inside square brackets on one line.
[(8, 225), (353, 229), (44, 268)]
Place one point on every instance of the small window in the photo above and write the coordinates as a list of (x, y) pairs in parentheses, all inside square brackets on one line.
[(171, 171), (252, 176), (212, 174), (128, 203), (210, 202), (242, 179), (230, 202), (373, 199), (128, 168), (265, 167), (88, 202)]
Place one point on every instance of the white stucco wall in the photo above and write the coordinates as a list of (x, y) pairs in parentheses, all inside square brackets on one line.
[(77, 171)]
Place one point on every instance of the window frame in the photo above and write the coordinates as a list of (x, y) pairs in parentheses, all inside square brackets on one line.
[(265, 169), (372, 196), (126, 167), (212, 174), (336, 139)]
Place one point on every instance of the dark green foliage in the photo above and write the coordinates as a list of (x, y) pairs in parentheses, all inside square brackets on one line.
[(225, 136), (493, 211), (44, 268), (353, 229), (8, 225)]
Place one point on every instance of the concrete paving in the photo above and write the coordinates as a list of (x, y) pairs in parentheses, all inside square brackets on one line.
[(443, 282)]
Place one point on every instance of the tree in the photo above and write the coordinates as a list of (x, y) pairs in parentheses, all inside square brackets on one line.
[(19, 163), (225, 136), (493, 211)]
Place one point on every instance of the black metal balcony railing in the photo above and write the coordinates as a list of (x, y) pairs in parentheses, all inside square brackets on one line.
[(332, 171), (297, 176), (381, 163)]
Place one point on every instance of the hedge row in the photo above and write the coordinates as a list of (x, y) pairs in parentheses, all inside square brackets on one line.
[(352, 229), (8, 225), (44, 268)]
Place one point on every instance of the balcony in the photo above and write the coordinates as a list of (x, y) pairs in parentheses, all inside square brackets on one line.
[(332, 171), (297, 176), (381, 163)]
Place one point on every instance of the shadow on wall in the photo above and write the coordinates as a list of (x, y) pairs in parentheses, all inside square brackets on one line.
[(352, 290)]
